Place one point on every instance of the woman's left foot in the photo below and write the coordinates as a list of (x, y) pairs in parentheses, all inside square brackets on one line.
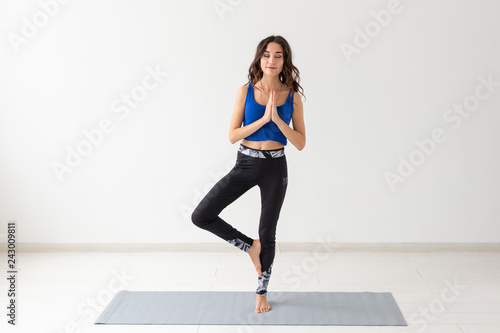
[(254, 254), (262, 305)]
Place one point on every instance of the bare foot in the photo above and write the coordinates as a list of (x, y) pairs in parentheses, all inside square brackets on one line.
[(262, 305), (254, 253)]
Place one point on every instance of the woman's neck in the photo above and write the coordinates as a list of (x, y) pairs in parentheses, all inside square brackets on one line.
[(270, 83)]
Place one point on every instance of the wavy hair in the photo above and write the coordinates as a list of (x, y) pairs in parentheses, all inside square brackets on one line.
[(289, 76)]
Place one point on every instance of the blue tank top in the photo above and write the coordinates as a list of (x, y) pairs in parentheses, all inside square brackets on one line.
[(269, 131)]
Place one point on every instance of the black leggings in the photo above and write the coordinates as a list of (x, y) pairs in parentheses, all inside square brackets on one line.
[(268, 170)]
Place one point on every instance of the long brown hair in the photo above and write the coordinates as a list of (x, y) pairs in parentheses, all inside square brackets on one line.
[(290, 75)]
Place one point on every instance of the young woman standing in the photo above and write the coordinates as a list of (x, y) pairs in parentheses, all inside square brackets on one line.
[(265, 106)]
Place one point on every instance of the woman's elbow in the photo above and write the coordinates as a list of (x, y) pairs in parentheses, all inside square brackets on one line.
[(231, 137), (302, 145)]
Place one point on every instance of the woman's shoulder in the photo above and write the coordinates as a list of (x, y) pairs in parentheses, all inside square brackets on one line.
[(297, 100), (242, 93), (243, 89)]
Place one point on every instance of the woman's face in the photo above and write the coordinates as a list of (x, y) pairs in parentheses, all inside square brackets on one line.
[(271, 61)]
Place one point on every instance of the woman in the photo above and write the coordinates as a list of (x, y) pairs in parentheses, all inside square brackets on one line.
[(265, 112)]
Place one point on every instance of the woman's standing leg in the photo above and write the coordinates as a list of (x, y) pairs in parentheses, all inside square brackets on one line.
[(273, 182)]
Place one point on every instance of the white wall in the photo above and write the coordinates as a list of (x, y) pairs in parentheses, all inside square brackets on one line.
[(142, 180)]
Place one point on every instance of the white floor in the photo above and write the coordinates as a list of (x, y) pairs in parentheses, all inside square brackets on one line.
[(440, 292)]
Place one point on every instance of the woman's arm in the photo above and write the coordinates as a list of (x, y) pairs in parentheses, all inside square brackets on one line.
[(236, 132), (297, 135)]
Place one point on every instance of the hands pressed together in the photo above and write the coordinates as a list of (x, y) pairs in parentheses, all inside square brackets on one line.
[(271, 110)]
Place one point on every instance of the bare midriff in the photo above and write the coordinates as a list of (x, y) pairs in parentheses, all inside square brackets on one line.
[(262, 145)]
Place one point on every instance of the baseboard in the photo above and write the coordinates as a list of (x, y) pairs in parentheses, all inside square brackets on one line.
[(281, 247)]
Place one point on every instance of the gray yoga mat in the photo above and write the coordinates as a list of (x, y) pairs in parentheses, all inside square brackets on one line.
[(237, 308)]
